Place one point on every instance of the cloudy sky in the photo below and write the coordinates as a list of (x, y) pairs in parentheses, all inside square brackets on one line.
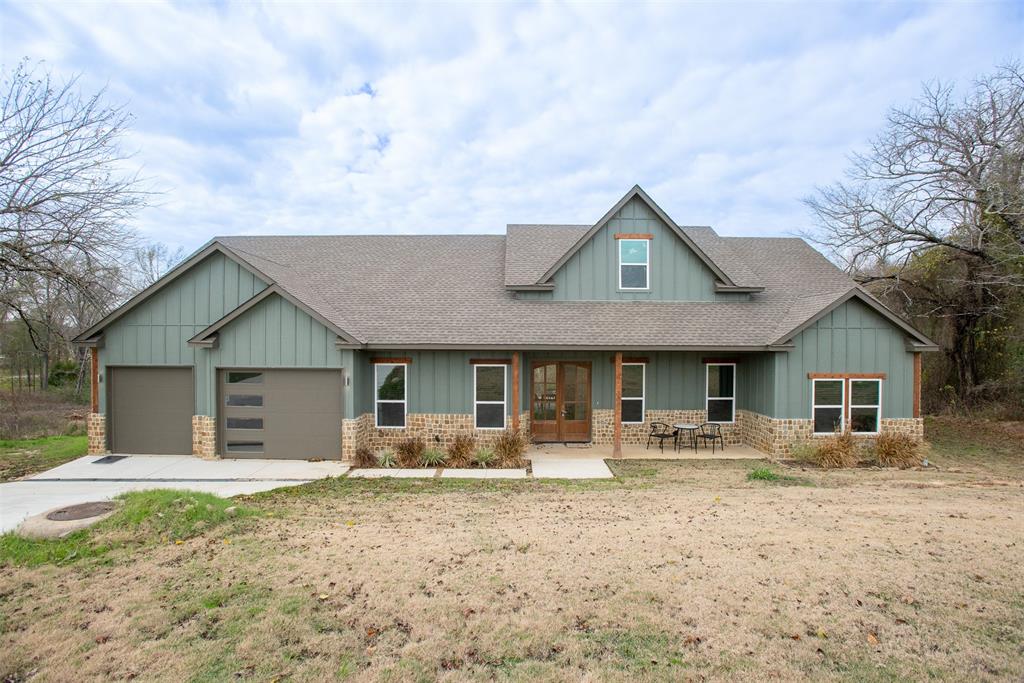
[(321, 118)]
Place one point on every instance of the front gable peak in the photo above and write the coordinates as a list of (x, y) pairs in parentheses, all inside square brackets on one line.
[(637, 193)]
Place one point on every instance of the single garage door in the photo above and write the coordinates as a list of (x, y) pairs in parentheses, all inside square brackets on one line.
[(150, 410), (280, 414)]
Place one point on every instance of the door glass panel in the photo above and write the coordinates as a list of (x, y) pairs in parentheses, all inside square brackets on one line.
[(245, 378), (245, 423), (544, 410), (244, 400)]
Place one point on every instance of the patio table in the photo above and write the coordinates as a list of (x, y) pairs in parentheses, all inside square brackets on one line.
[(691, 430)]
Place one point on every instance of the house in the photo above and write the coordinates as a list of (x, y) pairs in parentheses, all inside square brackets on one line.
[(309, 347)]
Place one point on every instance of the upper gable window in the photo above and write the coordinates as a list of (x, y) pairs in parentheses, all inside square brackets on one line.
[(634, 264)]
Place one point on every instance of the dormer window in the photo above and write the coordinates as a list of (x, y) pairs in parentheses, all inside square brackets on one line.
[(634, 264)]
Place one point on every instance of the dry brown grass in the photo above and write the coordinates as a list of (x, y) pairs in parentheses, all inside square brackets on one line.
[(365, 457), (460, 450), (674, 571), (509, 448), (833, 452), (897, 450), (409, 452), (28, 414)]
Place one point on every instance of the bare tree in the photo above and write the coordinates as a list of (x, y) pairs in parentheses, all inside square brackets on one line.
[(64, 196), (65, 202), (933, 213), (152, 261)]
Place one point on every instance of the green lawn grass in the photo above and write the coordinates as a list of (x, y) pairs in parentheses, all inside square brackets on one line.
[(143, 518), (22, 457)]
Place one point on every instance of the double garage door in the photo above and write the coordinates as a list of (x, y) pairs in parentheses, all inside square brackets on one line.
[(280, 414)]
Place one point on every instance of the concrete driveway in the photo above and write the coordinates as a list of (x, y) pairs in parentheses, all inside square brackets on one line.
[(84, 480)]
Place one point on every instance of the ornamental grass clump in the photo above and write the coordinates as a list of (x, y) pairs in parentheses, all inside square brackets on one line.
[(484, 458), (432, 457), (386, 459), (836, 451), (897, 450), (410, 452), (365, 457), (509, 448), (460, 451)]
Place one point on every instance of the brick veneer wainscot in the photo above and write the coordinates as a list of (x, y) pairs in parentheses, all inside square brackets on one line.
[(204, 437), (96, 430)]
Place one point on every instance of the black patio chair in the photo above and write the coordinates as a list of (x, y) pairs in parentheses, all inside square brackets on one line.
[(710, 431), (662, 431)]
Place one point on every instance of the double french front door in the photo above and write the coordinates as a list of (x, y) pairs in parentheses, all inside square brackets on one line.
[(560, 401)]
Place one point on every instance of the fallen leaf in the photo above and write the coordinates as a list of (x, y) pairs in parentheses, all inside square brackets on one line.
[(873, 639), (178, 542), (323, 596)]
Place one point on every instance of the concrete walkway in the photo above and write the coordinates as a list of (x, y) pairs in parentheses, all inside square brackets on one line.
[(561, 467), (82, 481)]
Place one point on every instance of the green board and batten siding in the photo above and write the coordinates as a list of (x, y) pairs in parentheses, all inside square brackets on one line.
[(676, 273), (156, 331), (850, 339), (274, 333)]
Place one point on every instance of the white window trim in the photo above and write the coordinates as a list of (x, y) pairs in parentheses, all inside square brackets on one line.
[(405, 398), (642, 397), (646, 264), (841, 406), (878, 406), (707, 398), (503, 403)]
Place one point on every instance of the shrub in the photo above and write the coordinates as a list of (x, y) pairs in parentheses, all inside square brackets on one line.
[(386, 459), (762, 474), (410, 452), (432, 457), (509, 448), (838, 450), (460, 450), (365, 457), (897, 450), (484, 458)]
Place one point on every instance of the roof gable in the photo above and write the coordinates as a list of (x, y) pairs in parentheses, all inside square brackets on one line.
[(638, 193)]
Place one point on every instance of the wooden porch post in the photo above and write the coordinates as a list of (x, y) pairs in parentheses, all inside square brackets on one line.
[(515, 390), (94, 383), (917, 384), (617, 442)]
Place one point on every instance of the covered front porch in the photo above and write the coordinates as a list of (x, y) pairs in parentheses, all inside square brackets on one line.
[(634, 452)]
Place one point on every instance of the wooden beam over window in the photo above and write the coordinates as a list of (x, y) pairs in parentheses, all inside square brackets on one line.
[(391, 361), (720, 361), (490, 361), (634, 236), (846, 375)]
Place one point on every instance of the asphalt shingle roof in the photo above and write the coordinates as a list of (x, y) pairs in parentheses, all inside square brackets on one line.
[(452, 290)]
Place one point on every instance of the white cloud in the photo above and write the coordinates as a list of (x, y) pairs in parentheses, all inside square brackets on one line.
[(258, 119)]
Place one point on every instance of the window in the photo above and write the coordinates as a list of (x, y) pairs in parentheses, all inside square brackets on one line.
[(828, 405), (846, 403), (245, 378), (634, 264), (865, 404), (634, 377), (721, 392), (244, 422), (244, 400), (489, 396), (389, 407)]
